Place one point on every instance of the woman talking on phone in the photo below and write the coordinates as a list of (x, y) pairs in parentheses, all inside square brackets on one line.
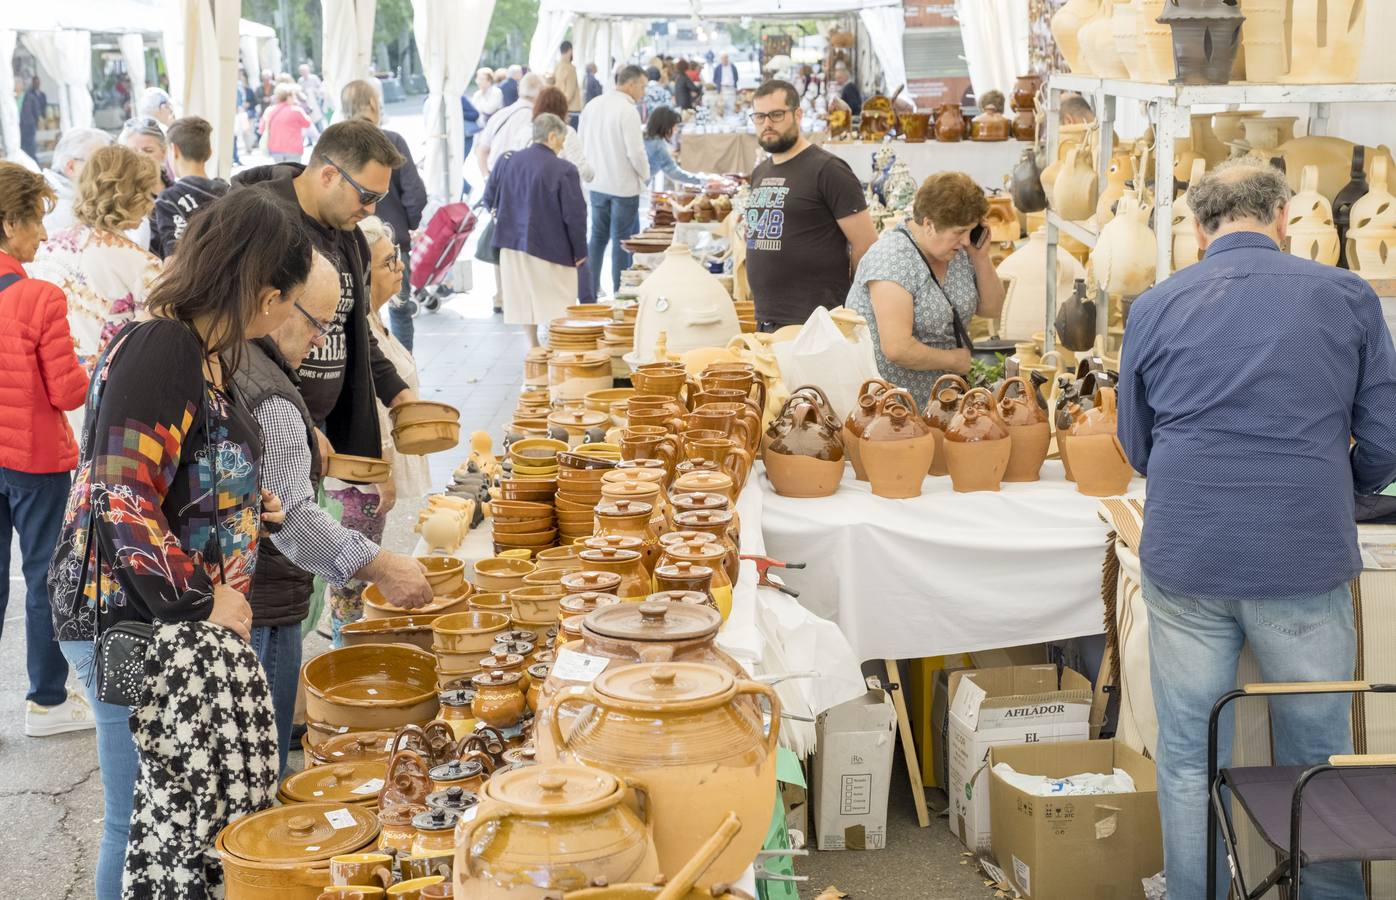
[(923, 281)]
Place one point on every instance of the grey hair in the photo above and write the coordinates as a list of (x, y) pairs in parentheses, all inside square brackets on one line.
[(1246, 188), (375, 230), (546, 125), (77, 144), (530, 86)]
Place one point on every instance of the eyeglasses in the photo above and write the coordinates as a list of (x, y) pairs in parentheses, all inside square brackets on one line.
[(393, 263), (366, 197), (776, 116), (322, 329)]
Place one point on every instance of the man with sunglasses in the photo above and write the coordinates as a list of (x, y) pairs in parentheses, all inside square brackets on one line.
[(807, 221)]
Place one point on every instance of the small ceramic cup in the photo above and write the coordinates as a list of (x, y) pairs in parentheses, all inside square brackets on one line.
[(362, 869), (412, 888), (415, 867)]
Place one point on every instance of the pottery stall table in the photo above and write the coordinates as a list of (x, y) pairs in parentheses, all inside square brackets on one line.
[(987, 162)]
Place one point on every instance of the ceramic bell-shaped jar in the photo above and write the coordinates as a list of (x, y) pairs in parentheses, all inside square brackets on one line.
[(805, 458), (1097, 40), (1264, 39), (1206, 38), (1024, 412), (1066, 29), (946, 394), (1124, 27), (1186, 250), (990, 125), (1155, 42), (1126, 253), (1325, 41), (1312, 233), (685, 301), (897, 447), (950, 123), (977, 446), (1098, 462), (1371, 241), (1076, 190), (864, 411), (1025, 274)]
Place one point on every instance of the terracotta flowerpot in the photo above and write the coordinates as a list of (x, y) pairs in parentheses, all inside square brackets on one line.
[(897, 447), (977, 445)]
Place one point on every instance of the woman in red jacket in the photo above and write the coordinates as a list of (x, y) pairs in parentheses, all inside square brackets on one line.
[(40, 379)]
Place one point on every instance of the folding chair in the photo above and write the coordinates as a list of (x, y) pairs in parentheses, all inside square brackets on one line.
[(1342, 810)]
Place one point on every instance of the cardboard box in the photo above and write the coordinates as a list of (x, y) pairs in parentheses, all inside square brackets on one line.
[(1097, 845), (852, 772), (1001, 657), (940, 727), (1010, 705)]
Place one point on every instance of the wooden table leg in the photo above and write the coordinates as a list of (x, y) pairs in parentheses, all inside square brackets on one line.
[(913, 764)]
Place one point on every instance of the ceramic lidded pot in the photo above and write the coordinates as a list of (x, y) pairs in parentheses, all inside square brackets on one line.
[(628, 564), (631, 518), (897, 447), (977, 445), (435, 832), (356, 782), (499, 699), (455, 710), (708, 554), (990, 125), (1025, 91), (545, 829), (684, 576), (284, 852), (719, 524), (1097, 460), (672, 726), (858, 418), (805, 457), (579, 604), (1206, 37), (950, 123), (1024, 412), (946, 394), (352, 747)]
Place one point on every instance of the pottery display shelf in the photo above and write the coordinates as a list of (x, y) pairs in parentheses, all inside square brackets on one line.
[(1171, 114)]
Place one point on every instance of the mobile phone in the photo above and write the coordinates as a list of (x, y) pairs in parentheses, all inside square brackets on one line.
[(979, 234)]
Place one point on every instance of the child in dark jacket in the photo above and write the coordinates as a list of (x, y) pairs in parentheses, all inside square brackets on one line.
[(190, 150)]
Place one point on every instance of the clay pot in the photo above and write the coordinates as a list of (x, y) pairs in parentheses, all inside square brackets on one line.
[(1066, 27), (434, 836), (1025, 273), (628, 564), (671, 726), (1098, 462), (1026, 186), (371, 687), (499, 699), (720, 524), (468, 632), (1002, 219), (1024, 125), (1024, 412), (284, 852), (683, 576), (1206, 38), (1325, 41), (941, 407), (467, 775), (338, 782), (545, 829), (536, 605), (1355, 190), (455, 711), (415, 630), (580, 604), (1097, 40), (916, 126), (1025, 91), (421, 438), (632, 518), (990, 125), (708, 554), (977, 446), (358, 469), (1312, 233), (1155, 42), (1124, 28), (351, 747), (1076, 189), (863, 412), (1126, 253), (950, 123), (897, 447), (1076, 319)]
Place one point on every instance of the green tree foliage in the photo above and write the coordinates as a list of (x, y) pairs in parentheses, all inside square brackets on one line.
[(510, 30)]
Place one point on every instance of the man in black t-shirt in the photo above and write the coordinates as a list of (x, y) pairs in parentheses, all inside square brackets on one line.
[(807, 221)]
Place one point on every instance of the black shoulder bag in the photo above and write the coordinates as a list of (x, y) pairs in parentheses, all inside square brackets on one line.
[(962, 338)]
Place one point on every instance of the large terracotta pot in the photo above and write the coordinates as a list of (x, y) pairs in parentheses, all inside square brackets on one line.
[(1024, 413), (1325, 41), (550, 828), (941, 407), (897, 447), (283, 853), (1312, 233), (1206, 38), (977, 446), (672, 726), (1098, 462), (1066, 28), (863, 412), (1025, 273), (1126, 253)]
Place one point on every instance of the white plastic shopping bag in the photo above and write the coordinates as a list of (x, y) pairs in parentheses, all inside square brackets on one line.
[(822, 356)]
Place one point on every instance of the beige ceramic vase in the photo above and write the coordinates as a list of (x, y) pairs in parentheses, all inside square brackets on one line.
[(1024, 412), (1097, 40), (897, 447), (864, 412), (1025, 276), (941, 407), (1372, 238), (1098, 462), (1325, 41), (1186, 250), (1312, 234), (1155, 43), (1076, 189), (1066, 28), (1264, 40), (977, 445), (1124, 25), (1126, 254)]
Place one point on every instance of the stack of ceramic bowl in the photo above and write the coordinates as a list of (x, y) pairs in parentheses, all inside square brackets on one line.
[(578, 492), (610, 401), (461, 640), (421, 427), (502, 573), (598, 310), (662, 210), (619, 340), (746, 315), (535, 373), (520, 524), (369, 687), (571, 376), (525, 488), (575, 334)]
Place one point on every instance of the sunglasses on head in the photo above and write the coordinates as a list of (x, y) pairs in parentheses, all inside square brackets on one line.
[(366, 197), (144, 125)]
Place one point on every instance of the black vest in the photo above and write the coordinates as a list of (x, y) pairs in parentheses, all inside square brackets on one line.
[(280, 590)]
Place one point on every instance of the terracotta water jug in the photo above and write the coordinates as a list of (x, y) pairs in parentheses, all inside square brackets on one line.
[(1325, 41), (977, 446), (1024, 125), (1186, 250), (897, 447), (1155, 42), (1025, 274), (1097, 40), (941, 407), (1124, 27), (1076, 319), (1024, 412), (1076, 189), (1371, 243), (1312, 234), (1126, 253), (1354, 190), (1025, 92), (1026, 186), (1066, 28), (805, 458), (1098, 461), (1264, 39), (950, 123)]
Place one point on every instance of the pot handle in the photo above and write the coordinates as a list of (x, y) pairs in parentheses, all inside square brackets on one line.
[(948, 376), (484, 759), (645, 806), (755, 687), (566, 695), (312, 876), (488, 813), (902, 396)]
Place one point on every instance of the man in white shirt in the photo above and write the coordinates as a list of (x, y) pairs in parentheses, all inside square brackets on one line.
[(511, 128), (68, 159), (613, 141)]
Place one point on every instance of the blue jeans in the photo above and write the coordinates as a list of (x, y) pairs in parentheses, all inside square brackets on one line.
[(1194, 647), (278, 647), (613, 219), (119, 761), (33, 506)]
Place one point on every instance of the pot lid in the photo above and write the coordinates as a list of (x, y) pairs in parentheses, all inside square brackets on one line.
[(539, 671), (506, 648), (456, 799), (652, 684), (502, 661), (699, 500), (300, 832), (625, 507), (653, 620), (684, 569), (456, 770), (590, 582), (629, 490), (496, 678), (355, 746), (703, 517), (579, 418), (683, 537), (616, 541), (609, 555), (554, 789), (457, 697), (586, 601), (435, 820), (704, 481), (696, 551), (639, 464), (644, 474), (338, 782), (692, 598), (517, 634), (585, 357)]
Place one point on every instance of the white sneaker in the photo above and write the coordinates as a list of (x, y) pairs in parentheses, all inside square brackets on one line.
[(72, 714)]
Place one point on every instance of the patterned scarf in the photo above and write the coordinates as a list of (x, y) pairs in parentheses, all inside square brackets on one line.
[(207, 744)]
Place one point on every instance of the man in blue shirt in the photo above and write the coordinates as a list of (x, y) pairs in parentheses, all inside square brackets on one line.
[(1249, 530)]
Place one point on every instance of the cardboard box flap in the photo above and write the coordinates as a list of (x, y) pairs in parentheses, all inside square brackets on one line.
[(871, 712), (1014, 686)]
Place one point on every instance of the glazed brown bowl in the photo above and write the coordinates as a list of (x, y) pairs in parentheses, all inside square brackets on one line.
[(501, 573), (556, 557), (522, 526), (371, 686), (422, 411), (414, 630), (520, 509), (361, 469), (445, 574), (494, 601), (585, 503), (421, 438), (537, 604), (376, 606), (467, 632)]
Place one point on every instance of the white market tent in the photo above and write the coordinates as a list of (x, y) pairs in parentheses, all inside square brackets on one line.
[(606, 29)]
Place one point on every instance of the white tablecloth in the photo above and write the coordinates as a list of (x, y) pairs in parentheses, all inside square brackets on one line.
[(944, 572), (986, 162)]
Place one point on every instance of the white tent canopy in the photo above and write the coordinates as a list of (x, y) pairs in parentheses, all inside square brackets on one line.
[(259, 48)]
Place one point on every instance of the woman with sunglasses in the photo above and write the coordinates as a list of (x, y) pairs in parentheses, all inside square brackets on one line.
[(164, 518), (146, 135)]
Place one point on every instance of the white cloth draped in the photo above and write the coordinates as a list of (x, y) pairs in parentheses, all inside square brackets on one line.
[(9, 112), (995, 34), (450, 37), (201, 55), (66, 56), (348, 55), (132, 46), (886, 25), (547, 35)]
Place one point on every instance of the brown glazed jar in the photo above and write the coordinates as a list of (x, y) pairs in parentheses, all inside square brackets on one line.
[(685, 576), (950, 123), (499, 701), (708, 554), (628, 564), (721, 524), (941, 407), (466, 774), (863, 413), (507, 662), (991, 125), (631, 518), (590, 582)]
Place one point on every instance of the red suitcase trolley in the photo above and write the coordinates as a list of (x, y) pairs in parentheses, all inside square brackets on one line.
[(435, 251)]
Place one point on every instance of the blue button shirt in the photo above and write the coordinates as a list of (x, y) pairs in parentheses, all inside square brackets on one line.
[(1242, 379)]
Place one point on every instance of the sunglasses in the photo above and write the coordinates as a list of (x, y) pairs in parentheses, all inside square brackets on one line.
[(144, 125), (366, 197), (322, 329)]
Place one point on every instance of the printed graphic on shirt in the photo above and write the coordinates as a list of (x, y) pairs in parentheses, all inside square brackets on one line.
[(327, 360), (765, 215), (188, 203)]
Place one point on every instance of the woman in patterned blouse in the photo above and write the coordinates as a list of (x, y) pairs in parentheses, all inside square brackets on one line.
[(919, 277), (163, 519)]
